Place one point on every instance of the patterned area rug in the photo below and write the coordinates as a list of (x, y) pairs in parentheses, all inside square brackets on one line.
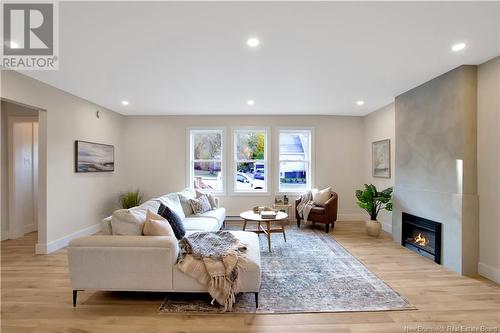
[(310, 272)]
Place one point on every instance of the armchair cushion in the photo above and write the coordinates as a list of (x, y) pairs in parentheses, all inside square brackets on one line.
[(317, 210)]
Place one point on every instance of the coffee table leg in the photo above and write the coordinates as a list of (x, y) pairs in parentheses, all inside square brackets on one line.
[(268, 225), (244, 225), (283, 229)]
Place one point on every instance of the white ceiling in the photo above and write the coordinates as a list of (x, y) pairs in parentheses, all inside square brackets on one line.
[(314, 58)]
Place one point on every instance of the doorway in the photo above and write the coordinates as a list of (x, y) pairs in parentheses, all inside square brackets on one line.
[(21, 135)]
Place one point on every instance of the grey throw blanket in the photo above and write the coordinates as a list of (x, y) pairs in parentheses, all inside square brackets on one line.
[(213, 259)]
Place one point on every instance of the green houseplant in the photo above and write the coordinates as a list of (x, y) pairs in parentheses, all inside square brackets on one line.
[(130, 199), (373, 201)]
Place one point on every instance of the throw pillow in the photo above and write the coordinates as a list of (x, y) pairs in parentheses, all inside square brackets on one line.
[(127, 222), (174, 220), (200, 205), (156, 225), (130, 221), (172, 201), (321, 197), (210, 197), (184, 197)]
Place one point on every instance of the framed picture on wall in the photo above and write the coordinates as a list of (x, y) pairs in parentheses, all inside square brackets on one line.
[(94, 157), (381, 158)]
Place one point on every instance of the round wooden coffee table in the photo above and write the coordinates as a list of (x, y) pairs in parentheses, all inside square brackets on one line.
[(250, 216)]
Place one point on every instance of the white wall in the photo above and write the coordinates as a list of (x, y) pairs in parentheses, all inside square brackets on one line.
[(379, 125), (75, 203), (488, 154), (156, 159)]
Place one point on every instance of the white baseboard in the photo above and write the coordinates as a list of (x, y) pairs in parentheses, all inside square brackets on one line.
[(46, 248), (489, 272), (387, 227), (30, 228), (233, 218)]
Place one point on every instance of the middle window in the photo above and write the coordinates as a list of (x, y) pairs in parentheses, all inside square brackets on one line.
[(250, 160)]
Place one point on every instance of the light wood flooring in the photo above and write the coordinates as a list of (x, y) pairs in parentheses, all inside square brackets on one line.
[(36, 297)]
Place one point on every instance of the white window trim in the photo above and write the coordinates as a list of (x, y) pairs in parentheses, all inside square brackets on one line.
[(267, 161), (190, 158), (312, 159)]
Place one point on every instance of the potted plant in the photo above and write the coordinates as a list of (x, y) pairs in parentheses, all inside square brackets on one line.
[(373, 202), (130, 199)]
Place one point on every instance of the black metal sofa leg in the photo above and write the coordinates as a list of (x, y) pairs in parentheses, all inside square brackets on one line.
[(75, 295), (256, 300)]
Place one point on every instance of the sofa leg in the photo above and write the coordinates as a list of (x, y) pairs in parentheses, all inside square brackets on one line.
[(256, 300), (298, 223), (327, 227), (333, 225), (75, 295)]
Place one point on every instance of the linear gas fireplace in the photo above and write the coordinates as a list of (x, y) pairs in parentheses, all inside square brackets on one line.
[(422, 236)]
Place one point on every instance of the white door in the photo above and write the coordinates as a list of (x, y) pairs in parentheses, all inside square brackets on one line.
[(24, 178)]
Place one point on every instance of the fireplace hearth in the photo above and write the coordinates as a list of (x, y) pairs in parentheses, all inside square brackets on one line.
[(422, 236)]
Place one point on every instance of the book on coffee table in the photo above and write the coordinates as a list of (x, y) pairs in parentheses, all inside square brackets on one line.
[(268, 214)]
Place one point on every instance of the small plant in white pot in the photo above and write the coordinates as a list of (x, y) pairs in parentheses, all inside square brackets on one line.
[(373, 202)]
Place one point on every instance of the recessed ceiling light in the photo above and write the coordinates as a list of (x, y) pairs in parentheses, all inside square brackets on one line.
[(250, 102), (458, 47), (253, 42), (360, 102), (124, 102), (14, 45)]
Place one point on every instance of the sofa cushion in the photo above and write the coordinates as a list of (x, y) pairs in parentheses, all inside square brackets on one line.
[(219, 214), (130, 221), (184, 197), (125, 222), (176, 222), (320, 197), (172, 201), (200, 223), (156, 225), (106, 226)]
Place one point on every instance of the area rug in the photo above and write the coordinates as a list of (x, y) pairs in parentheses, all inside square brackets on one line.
[(311, 272)]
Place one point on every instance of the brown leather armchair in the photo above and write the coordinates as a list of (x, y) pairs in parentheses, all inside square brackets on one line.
[(318, 214)]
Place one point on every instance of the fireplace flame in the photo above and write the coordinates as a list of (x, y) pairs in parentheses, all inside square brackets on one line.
[(421, 240)]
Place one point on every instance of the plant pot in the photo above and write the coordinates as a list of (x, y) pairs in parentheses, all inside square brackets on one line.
[(373, 228)]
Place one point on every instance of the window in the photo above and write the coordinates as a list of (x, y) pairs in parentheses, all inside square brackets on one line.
[(294, 160), (250, 160), (206, 159)]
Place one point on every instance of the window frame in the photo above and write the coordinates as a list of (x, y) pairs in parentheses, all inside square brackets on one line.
[(310, 161), (265, 161), (190, 158)]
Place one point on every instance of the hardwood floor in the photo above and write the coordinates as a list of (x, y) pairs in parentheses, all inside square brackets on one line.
[(36, 297)]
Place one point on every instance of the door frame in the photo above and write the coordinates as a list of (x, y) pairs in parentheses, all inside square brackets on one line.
[(11, 120)]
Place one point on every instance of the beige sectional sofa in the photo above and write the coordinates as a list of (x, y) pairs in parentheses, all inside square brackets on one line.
[(131, 262)]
